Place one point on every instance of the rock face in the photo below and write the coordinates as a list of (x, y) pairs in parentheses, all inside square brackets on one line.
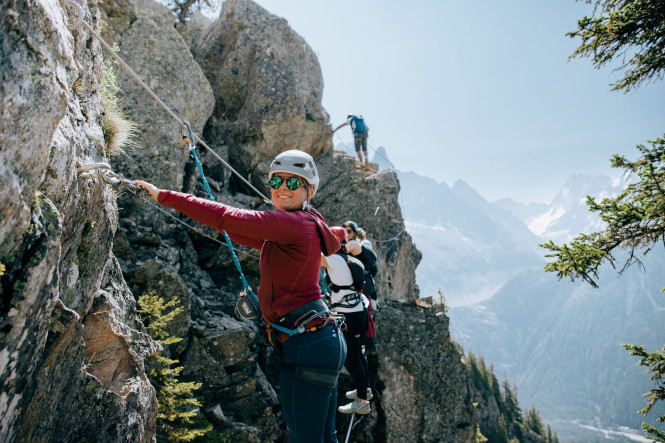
[(426, 393), (371, 200), (268, 87), (72, 350), (69, 336)]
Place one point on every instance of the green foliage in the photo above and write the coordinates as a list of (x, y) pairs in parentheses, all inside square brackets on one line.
[(178, 415), (656, 434), (632, 31), (510, 405), (480, 438), (151, 310), (532, 421), (551, 436), (503, 428), (635, 220), (655, 361), (508, 428)]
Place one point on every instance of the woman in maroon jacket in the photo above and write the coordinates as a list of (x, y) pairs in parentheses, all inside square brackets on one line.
[(291, 239)]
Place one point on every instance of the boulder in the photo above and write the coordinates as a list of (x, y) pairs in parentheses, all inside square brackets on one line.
[(267, 86)]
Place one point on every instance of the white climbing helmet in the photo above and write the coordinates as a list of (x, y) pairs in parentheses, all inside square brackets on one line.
[(299, 163)]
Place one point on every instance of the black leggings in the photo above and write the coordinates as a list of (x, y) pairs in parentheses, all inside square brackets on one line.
[(356, 363)]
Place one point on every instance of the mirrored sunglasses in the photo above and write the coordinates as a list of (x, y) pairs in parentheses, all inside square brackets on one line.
[(292, 183)]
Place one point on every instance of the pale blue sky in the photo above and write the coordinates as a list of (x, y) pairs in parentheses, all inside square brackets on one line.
[(475, 90)]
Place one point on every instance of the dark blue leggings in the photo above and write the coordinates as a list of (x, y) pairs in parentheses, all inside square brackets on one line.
[(309, 410)]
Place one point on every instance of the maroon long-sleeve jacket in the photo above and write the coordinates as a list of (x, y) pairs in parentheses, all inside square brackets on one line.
[(291, 243)]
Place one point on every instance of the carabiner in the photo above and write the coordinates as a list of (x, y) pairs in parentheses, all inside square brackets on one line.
[(188, 135)]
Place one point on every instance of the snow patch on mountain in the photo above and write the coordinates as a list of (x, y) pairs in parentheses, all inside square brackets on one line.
[(539, 225)]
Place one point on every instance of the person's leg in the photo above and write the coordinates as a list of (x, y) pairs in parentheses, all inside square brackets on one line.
[(357, 142), (306, 406), (363, 330), (329, 431), (306, 409), (354, 363), (364, 146)]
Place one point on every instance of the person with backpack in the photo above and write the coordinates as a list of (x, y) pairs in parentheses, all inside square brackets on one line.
[(360, 133), (368, 258), (366, 255), (291, 238), (344, 277)]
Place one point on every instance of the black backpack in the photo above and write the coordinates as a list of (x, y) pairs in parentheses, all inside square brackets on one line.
[(357, 273), (368, 259)]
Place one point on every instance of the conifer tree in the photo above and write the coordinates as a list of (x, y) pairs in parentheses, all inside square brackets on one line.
[(633, 32), (496, 389), (552, 437), (177, 416), (656, 363), (635, 221), (532, 420), (512, 409), (503, 429)]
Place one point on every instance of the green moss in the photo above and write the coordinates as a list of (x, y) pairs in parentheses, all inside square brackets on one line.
[(36, 201), (88, 228), (68, 297), (101, 24), (55, 326), (35, 259), (19, 286)]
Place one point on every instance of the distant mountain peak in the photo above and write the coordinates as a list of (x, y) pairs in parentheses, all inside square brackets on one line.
[(381, 158), (567, 214)]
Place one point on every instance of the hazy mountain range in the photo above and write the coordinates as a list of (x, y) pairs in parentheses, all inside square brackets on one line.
[(558, 342)]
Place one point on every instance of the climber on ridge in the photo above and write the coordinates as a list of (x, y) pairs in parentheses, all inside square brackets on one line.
[(360, 132), (291, 238)]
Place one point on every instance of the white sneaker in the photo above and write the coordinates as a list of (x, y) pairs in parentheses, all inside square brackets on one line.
[(351, 395), (357, 407)]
